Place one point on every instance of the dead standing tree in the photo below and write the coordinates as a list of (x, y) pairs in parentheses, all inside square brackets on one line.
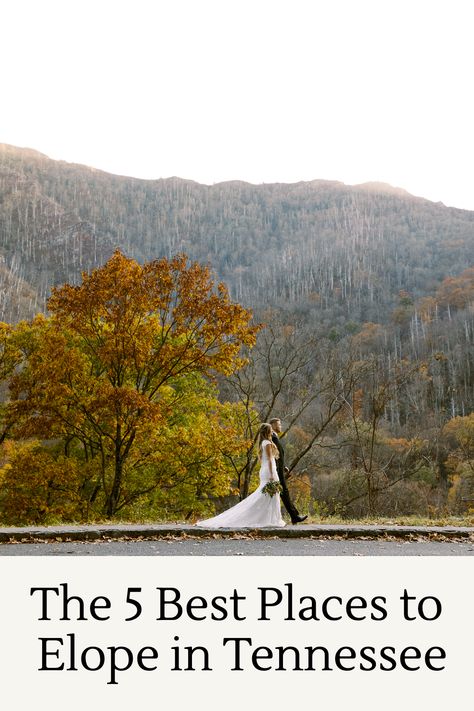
[(289, 373), (375, 389)]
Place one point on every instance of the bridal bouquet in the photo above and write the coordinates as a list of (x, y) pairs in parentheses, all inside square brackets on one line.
[(271, 488)]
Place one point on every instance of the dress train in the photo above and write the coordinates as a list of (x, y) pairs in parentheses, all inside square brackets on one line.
[(258, 509)]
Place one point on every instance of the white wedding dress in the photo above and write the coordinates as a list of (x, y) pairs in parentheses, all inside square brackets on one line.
[(256, 510)]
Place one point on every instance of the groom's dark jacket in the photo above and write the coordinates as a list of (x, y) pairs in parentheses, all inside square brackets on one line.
[(280, 465)]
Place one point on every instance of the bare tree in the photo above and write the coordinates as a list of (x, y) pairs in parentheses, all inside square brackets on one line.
[(293, 375)]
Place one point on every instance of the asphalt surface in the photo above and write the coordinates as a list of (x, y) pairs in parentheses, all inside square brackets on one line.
[(184, 539), (242, 546), (110, 531)]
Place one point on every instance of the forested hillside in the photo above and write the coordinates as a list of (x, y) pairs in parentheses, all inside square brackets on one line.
[(367, 294), (341, 252)]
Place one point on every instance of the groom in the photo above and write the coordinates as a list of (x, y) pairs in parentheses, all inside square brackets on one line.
[(275, 422)]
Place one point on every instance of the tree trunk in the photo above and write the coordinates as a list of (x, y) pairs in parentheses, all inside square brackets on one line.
[(113, 498)]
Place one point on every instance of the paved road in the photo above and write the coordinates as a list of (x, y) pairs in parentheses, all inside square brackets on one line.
[(226, 547)]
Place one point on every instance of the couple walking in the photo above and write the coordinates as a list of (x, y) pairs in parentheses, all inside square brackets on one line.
[(262, 508)]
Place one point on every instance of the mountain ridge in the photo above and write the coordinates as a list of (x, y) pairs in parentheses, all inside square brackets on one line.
[(335, 252), (373, 185)]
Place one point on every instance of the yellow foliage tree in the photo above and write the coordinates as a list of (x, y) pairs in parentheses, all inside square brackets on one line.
[(37, 487), (108, 370)]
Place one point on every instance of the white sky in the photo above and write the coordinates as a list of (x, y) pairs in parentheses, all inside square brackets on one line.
[(256, 90)]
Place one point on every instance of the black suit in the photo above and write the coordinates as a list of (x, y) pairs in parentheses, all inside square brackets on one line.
[(285, 494)]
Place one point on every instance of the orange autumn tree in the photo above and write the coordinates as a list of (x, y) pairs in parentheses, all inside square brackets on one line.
[(105, 373), (459, 434), (10, 359), (36, 486)]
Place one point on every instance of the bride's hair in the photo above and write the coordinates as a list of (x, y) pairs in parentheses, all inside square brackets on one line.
[(265, 432)]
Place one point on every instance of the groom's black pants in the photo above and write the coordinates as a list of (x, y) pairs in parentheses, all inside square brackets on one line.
[(285, 497)]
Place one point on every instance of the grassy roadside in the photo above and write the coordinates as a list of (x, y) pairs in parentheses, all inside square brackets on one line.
[(466, 520)]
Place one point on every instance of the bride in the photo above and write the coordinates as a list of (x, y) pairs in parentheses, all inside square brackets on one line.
[(260, 508)]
